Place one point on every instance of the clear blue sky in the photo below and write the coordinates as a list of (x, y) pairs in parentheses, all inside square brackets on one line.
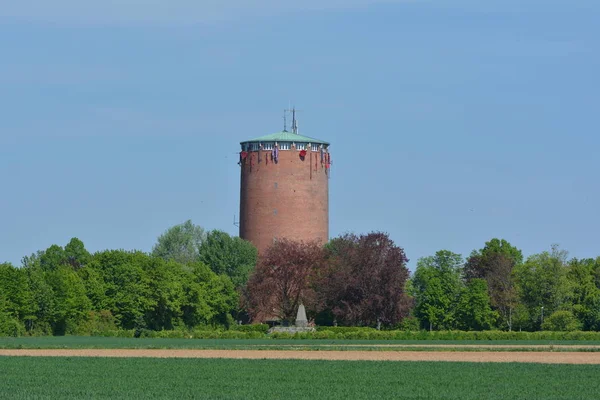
[(451, 122)]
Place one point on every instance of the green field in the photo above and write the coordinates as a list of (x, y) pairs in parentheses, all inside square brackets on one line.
[(75, 378), (89, 342)]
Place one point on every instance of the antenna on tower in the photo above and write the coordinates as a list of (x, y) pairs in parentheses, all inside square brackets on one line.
[(294, 121), (285, 120)]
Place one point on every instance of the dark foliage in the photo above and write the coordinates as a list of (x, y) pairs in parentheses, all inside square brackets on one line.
[(363, 281), (281, 280), (495, 264)]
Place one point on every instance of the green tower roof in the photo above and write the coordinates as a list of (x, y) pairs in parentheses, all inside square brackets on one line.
[(285, 136)]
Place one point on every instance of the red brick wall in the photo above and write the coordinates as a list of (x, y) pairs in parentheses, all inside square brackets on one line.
[(289, 199)]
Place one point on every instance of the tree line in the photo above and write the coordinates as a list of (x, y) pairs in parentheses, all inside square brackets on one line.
[(193, 278)]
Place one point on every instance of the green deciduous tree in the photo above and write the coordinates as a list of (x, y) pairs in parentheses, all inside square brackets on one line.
[(596, 272), (180, 243), (44, 301), (436, 287), (72, 306), (562, 321), (495, 263), (16, 304), (9, 325), (17, 294), (127, 286), (231, 256), (585, 294), (52, 258), (542, 282), (69, 291), (209, 299), (474, 311), (76, 255), (148, 292)]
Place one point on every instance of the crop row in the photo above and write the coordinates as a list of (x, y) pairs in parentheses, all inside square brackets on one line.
[(76, 378)]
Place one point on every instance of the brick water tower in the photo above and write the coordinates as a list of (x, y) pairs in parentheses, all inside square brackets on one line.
[(284, 191)]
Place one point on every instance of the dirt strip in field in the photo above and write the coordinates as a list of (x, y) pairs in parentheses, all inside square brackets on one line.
[(453, 346), (530, 357)]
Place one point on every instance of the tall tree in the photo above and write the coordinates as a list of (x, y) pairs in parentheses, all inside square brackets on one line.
[(52, 258), (16, 298), (71, 303), (495, 263), (180, 243), (148, 292), (231, 256), (542, 284), (44, 301), (75, 254), (585, 294), (436, 287), (210, 298), (364, 280), (596, 272), (479, 269), (9, 324), (281, 280), (58, 299), (474, 311)]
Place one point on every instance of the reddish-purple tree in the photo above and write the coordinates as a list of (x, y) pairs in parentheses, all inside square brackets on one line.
[(363, 280), (281, 280)]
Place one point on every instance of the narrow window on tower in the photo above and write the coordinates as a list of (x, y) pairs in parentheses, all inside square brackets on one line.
[(268, 146), (300, 146), (315, 147), (284, 146)]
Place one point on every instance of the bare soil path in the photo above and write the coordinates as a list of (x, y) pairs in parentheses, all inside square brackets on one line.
[(469, 356), (456, 346)]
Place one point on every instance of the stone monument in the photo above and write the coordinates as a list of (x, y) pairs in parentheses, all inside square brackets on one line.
[(301, 324), (301, 320)]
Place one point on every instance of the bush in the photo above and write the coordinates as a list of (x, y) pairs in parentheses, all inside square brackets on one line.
[(282, 335), (342, 333), (346, 329), (96, 323), (409, 324), (563, 321), (242, 335), (201, 334), (365, 334), (146, 333), (40, 329), (262, 328), (10, 326)]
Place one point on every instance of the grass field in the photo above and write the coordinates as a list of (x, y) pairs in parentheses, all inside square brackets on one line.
[(86, 342), (70, 378)]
